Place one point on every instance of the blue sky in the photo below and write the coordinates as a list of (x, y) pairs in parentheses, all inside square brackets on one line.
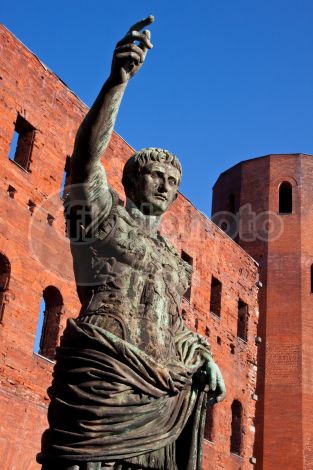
[(227, 80)]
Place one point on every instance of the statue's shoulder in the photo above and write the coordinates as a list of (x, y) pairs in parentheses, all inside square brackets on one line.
[(117, 216)]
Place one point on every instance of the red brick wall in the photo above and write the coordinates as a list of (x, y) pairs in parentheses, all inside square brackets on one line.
[(306, 185), (285, 386), (39, 256)]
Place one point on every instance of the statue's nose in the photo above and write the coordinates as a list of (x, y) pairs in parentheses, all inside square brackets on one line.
[(163, 186)]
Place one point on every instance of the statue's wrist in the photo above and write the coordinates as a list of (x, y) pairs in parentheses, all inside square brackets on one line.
[(116, 81)]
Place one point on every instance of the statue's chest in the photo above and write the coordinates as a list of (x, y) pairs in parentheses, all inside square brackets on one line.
[(151, 256), (141, 269)]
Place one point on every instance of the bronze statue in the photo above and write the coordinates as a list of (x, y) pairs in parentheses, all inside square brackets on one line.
[(131, 382)]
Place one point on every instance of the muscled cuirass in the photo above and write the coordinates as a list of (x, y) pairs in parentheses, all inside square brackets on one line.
[(131, 283)]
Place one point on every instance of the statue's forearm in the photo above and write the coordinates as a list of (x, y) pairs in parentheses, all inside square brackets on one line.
[(96, 129)]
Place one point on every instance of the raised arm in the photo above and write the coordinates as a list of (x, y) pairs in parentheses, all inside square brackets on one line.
[(88, 176)]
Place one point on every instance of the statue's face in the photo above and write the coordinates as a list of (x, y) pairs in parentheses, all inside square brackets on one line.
[(157, 188)]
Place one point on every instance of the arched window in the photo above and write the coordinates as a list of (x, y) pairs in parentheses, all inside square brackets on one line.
[(231, 203), (49, 321), (236, 427), (5, 270), (209, 423), (285, 198)]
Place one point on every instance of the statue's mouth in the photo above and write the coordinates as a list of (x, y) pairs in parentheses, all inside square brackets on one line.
[(160, 196)]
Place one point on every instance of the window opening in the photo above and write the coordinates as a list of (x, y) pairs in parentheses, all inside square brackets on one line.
[(5, 271), (209, 423), (66, 180), (285, 198), (22, 143), (31, 206), (189, 260), (50, 219), (242, 324), (11, 191), (236, 428), (48, 323), (216, 296), (230, 205)]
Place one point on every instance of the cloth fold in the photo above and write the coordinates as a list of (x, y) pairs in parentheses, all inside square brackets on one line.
[(110, 401)]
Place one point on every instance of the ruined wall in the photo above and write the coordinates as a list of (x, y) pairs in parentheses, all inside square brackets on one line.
[(32, 239)]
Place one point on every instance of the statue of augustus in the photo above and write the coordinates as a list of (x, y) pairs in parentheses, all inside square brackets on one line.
[(130, 384)]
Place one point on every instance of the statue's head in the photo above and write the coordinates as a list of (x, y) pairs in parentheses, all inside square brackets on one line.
[(151, 178)]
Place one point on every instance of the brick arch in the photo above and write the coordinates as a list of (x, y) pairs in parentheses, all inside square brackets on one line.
[(287, 178), (5, 273), (276, 184), (53, 302)]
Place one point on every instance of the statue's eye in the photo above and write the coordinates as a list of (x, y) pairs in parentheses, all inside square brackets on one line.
[(154, 175), (172, 181)]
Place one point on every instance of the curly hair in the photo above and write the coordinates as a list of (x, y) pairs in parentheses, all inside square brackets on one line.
[(142, 158)]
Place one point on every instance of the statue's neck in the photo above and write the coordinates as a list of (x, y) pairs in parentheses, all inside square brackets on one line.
[(148, 223)]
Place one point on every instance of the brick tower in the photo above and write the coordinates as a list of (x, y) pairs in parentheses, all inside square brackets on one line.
[(265, 204)]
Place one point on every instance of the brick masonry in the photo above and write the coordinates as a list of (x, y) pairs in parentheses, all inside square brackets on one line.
[(39, 256), (285, 361)]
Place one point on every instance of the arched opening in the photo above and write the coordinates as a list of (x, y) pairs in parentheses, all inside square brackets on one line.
[(236, 428), (209, 423), (231, 204), (49, 322), (5, 271), (285, 198)]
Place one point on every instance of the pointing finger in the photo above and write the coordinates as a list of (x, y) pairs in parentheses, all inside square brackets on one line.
[(142, 24)]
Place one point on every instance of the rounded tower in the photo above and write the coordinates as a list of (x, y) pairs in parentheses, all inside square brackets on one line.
[(266, 205)]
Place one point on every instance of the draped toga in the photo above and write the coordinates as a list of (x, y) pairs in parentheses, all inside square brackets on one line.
[(128, 385)]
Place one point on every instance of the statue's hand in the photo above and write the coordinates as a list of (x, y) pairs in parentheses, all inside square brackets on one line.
[(128, 57), (215, 380)]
